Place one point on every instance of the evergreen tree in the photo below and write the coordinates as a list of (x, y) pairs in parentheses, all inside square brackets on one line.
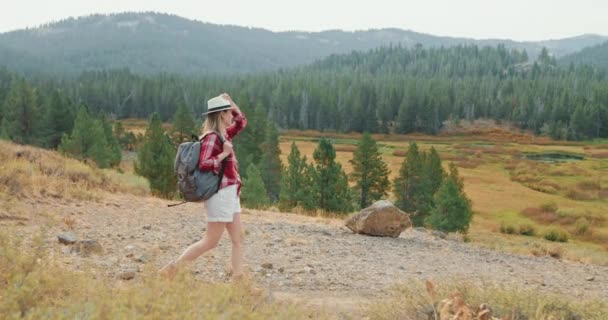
[(248, 144), (155, 159), (409, 185), (310, 195), (370, 173), (254, 193), (452, 209), (270, 163), (58, 120), (21, 121), (433, 171), (183, 124), (294, 184), (114, 151), (331, 182), (90, 139)]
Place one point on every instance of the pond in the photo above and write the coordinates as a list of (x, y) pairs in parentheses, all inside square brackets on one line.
[(553, 156)]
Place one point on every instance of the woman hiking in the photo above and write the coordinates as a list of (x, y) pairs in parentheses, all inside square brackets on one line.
[(223, 209)]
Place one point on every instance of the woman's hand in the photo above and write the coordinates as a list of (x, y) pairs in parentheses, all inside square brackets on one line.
[(227, 148), (233, 105)]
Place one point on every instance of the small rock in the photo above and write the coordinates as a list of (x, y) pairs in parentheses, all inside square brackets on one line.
[(88, 246), (66, 238), (591, 278), (142, 258), (127, 274), (147, 227), (267, 265), (281, 269)]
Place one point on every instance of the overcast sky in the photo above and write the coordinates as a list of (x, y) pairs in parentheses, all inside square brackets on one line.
[(480, 19)]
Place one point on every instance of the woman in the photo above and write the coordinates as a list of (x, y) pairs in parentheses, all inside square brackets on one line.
[(223, 208)]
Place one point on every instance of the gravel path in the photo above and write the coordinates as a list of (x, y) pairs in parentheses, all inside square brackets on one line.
[(299, 256)]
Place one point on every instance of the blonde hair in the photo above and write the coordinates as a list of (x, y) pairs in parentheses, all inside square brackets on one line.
[(211, 123)]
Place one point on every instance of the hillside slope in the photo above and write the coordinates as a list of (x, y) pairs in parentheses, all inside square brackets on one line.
[(154, 42)]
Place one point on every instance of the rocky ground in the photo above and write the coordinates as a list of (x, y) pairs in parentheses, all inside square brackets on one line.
[(315, 260)]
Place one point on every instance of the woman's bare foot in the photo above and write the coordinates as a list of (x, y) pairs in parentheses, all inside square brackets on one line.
[(169, 270)]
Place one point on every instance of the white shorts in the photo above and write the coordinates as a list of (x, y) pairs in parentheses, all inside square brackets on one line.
[(224, 205)]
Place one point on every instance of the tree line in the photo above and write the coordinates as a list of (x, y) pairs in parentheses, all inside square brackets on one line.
[(386, 90)]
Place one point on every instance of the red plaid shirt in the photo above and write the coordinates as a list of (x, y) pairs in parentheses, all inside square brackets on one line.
[(211, 147)]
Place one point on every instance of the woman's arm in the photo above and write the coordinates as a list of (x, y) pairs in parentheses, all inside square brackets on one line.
[(211, 145), (240, 122)]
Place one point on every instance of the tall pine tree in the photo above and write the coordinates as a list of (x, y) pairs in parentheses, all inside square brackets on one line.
[(452, 210), (370, 173), (21, 121), (270, 163), (254, 193), (331, 182), (183, 124), (155, 159), (294, 184)]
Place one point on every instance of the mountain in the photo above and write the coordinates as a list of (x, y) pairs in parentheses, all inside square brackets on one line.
[(596, 56), (155, 42)]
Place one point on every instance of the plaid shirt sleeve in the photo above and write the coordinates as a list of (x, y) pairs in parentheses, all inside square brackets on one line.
[(240, 122), (210, 148)]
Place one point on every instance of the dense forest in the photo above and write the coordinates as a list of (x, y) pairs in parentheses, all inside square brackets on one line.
[(596, 56), (390, 89), (149, 43)]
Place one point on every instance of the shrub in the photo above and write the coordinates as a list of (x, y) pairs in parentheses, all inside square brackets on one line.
[(527, 230), (507, 228), (549, 207), (576, 194), (582, 226), (556, 235)]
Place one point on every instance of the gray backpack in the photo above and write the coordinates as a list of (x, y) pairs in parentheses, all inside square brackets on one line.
[(194, 184)]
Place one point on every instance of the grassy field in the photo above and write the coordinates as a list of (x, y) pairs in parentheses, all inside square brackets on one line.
[(517, 201)]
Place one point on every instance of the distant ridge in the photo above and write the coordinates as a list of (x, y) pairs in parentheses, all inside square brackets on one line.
[(155, 42)]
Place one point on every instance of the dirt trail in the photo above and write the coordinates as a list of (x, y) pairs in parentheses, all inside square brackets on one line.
[(299, 257)]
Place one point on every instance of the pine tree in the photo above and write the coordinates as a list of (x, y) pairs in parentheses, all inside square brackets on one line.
[(370, 173), (114, 151), (254, 193), (408, 186), (21, 121), (58, 120), (247, 145), (155, 159), (433, 172), (79, 141), (452, 209), (331, 182), (183, 124), (270, 163), (293, 180), (91, 139)]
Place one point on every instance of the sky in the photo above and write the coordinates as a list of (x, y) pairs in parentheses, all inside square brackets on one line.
[(521, 20)]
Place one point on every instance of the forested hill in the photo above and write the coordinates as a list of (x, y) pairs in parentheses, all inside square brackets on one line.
[(596, 56), (392, 89), (154, 43)]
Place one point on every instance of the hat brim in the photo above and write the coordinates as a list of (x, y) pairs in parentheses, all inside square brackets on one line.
[(218, 109)]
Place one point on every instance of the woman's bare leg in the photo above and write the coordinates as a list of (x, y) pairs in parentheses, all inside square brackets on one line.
[(236, 236), (210, 241)]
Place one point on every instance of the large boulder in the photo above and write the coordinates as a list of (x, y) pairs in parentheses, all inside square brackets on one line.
[(380, 219)]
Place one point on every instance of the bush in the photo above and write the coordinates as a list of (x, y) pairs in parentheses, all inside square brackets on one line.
[(557, 235), (582, 226), (549, 207), (507, 228), (527, 230)]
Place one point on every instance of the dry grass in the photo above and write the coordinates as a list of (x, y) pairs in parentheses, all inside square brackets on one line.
[(457, 299), (35, 286), (29, 172)]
